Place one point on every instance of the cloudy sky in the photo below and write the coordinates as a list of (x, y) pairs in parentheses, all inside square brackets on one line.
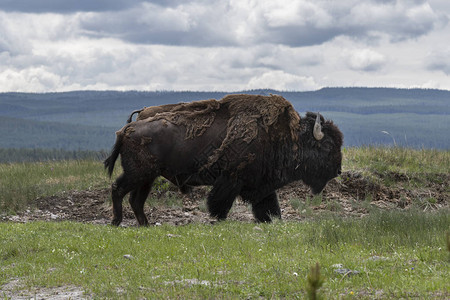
[(228, 45)]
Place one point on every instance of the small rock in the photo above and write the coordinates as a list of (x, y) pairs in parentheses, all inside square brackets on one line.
[(257, 228), (128, 256), (376, 258), (172, 235), (189, 282), (337, 266), (158, 224), (346, 272), (222, 272)]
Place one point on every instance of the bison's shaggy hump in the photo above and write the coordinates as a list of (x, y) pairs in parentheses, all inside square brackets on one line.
[(251, 112), (195, 116), (247, 110)]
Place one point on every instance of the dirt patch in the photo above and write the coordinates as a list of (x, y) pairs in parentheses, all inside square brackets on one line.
[(349, 195), (13, 290)]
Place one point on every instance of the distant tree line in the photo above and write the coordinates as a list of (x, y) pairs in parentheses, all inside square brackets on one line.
[(87, 120), (14, 155)]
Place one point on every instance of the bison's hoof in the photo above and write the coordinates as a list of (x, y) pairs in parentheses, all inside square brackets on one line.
[(116, 222), (143, 224)]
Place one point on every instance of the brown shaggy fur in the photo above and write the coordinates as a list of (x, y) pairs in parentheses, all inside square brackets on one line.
[(151, 111), (261, 112), (267, 109), (195, 116)]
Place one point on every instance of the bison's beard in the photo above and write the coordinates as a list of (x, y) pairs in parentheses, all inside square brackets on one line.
[(318, 179), (317, 188), (317, 184)]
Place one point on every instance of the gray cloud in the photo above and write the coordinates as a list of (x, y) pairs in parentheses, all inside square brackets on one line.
[(218, 45), (152, 24), (439, 61), (299, 36), (217, 23), (295, 23), (65, 6)]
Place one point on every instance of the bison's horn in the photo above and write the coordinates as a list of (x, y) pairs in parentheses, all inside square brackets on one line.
[(317, 132)]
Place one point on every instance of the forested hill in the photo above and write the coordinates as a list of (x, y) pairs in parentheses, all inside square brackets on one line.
[(87, 120)]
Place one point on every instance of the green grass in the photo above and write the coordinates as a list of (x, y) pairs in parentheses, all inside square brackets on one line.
[(398, 254), (399, 166), (22, 183), (399, 160)]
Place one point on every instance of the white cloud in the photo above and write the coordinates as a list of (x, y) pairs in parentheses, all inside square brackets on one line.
[(12, 39), (34, 79), (280, 80), (364, 60), (223, 45)]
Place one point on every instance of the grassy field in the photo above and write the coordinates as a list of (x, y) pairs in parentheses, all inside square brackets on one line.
[(399, 160), (388, 254), (22, 183)]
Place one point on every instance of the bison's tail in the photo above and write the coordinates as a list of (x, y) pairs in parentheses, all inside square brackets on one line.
[(130, 118), (111, 160)]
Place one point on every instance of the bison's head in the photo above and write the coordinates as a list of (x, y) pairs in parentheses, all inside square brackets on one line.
[(320, 145)]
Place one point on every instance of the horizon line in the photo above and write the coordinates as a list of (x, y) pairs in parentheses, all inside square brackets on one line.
[(230, 92)]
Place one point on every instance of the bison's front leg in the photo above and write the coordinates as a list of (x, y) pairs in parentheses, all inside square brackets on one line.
[(222, 196), (267, 208)]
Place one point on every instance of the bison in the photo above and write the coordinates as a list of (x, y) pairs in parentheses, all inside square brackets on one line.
[(241, 145)]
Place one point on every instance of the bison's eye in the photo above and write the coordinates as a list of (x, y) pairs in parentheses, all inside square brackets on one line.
[(327, 146)]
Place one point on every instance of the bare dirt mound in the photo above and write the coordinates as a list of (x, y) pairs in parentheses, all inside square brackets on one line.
[(352, 194)]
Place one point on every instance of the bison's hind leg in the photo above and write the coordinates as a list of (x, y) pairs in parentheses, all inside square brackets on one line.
[(266, 208), (119, 189), (137, 201), (221, 198)]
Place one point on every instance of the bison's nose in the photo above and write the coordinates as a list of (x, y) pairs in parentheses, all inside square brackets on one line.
[(339, 172)]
